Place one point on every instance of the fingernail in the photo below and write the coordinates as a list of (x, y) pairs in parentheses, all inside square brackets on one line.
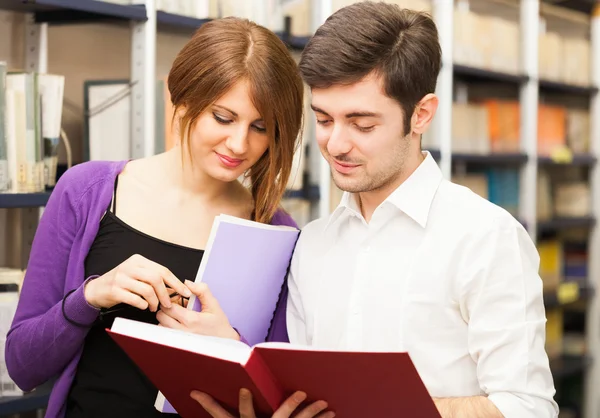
[(300, 396), (244, 393), (187, 292)]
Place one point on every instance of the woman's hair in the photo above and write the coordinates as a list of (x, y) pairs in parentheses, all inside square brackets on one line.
[(223, 52)]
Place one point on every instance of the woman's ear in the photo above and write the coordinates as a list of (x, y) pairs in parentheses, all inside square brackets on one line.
[(424, 113), (176, 129)]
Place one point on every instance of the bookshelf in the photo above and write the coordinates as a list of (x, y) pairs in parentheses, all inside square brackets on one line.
[(455, 80), (23, 200), (473, 74), (76, 11)]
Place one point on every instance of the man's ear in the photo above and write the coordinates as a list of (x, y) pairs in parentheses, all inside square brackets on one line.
[(424, 113)]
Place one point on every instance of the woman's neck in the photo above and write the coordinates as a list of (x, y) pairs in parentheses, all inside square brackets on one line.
[(193, 181)]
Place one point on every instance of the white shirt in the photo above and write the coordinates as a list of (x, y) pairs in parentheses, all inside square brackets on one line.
[(438, 272)]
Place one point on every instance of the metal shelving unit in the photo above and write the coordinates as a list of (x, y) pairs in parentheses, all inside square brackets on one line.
[(23, 200), (145, 21)]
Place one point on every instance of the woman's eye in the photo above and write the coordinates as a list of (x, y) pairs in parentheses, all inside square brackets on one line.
[(221, 119), (323, 122), (260, 129)]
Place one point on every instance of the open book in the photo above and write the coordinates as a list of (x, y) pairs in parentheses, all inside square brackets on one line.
[(245, 264), (355, 384)]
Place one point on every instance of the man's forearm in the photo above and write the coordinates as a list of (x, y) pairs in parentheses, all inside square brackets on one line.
[(470, 407)]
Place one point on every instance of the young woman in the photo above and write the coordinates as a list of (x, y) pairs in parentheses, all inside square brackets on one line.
[(119, 238)]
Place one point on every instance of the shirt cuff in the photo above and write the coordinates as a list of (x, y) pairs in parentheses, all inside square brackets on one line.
[(77, 309), (523, 406)]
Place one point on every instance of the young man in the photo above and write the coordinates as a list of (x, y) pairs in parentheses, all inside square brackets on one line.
[(409, 261)]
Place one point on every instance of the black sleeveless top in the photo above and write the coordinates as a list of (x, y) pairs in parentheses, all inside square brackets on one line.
[(107, 383)]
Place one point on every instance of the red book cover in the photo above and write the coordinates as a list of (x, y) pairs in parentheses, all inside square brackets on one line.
[(355, 384)]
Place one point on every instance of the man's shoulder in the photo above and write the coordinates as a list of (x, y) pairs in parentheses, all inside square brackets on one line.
[(316, 227), (471, 211)]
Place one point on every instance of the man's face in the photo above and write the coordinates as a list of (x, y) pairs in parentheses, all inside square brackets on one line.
[(360, 133)]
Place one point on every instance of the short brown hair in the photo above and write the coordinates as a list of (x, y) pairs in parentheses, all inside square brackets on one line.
[(400, 45), (223, 52)]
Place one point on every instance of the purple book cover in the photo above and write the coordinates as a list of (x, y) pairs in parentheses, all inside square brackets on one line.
[(244, 265)]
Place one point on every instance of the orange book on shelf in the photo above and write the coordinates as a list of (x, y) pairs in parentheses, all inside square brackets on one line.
[(552, 132), (503, 125)]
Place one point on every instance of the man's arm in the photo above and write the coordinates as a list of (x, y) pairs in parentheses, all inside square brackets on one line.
[(501, 300), (471, 407)]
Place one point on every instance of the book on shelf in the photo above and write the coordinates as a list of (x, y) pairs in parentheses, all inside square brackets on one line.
[(245, 266), (30, 126), (354, 384)]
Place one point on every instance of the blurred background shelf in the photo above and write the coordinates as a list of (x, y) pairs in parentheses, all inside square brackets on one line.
[(556, 87), (490, 159), (23, 200), (178, 23), (558, 224), (467, 73), (33, 401), (567, 366), (575, 160), (567, 293), (76, 11)]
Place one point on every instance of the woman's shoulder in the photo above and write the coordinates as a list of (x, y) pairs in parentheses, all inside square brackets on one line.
[(83, 177), (281, 217)]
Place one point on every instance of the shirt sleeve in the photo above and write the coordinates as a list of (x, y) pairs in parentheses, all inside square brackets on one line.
[(502, 297), (46, 331), (296, 325)]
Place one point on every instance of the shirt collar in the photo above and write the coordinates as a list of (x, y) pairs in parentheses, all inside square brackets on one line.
[(413, 197)]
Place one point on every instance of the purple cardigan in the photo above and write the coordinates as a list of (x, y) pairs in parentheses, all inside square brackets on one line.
[(41, 344)]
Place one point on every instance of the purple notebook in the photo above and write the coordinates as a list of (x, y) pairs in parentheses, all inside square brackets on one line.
[(245, 264)]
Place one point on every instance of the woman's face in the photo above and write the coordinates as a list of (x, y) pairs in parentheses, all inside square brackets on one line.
[(229, 137)]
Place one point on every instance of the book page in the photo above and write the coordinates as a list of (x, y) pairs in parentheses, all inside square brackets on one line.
[(223, 348)]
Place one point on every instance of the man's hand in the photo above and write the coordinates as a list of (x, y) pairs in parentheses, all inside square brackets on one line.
[(468, 407), (286, 410)]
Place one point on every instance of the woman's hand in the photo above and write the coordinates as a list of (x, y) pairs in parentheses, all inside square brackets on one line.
[(210, 321), (286, 410), (138, 282)]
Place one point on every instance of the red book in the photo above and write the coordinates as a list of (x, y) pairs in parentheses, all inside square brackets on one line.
[(354, 384)]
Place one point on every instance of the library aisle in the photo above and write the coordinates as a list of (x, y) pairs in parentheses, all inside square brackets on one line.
[(518, 123)]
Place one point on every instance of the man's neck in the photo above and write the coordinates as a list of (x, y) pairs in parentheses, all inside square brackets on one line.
[(369, 201)]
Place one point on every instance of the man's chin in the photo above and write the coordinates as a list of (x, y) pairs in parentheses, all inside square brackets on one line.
[(348, 184)]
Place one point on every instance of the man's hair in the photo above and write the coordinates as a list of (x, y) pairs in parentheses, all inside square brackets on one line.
[(399, 45)]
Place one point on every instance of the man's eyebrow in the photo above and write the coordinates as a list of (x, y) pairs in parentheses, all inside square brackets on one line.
[(363, 114), (316, 109), (355, 114)]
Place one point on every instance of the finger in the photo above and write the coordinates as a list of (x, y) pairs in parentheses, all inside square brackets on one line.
[(168, 322), (168, 277), (328, 414), (178, 313), (207, 300), (246, 406), (288, 407), (125, 296), (154, 279), (210, 405), (313, 410), (144, 290)]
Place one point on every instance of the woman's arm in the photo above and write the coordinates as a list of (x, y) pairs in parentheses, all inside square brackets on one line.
[(41, 340)]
